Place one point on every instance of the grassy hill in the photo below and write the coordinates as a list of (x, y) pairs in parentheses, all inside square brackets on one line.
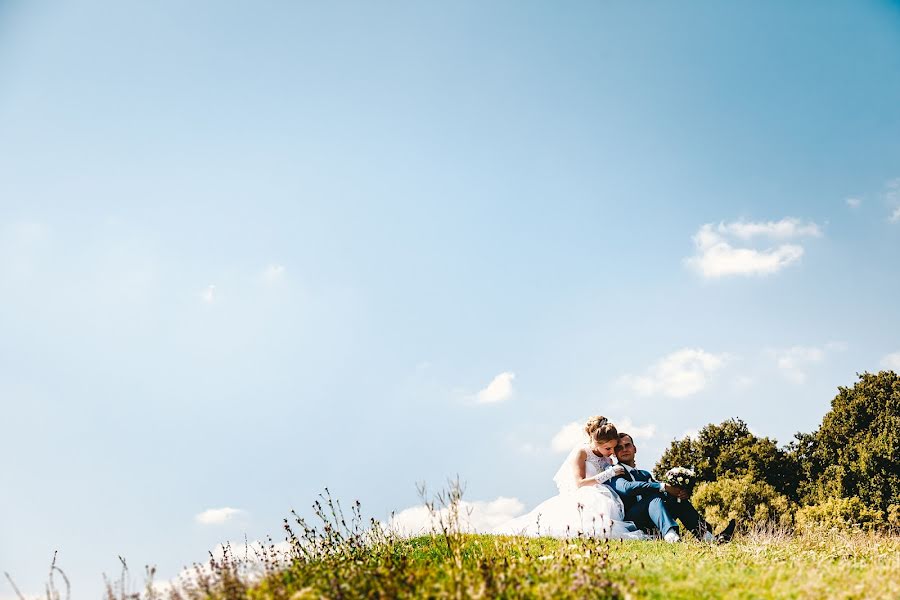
[(762, 565)]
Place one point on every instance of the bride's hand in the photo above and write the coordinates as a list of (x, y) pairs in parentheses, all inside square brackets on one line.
[(619, 470)]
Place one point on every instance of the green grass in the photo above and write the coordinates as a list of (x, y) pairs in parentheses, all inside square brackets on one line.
[(336, 560), (824, 565)]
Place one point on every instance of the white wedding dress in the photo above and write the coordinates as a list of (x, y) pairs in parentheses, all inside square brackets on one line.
[(593, 511)]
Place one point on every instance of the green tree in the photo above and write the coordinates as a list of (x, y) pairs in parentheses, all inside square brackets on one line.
[(856, 450), (729, 450)]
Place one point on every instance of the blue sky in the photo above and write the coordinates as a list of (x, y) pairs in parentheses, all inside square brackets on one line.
[(248, 251)]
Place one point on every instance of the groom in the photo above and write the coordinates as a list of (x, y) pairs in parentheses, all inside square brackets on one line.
[(651, 504)]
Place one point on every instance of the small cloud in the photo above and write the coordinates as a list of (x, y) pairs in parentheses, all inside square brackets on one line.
[(794, 362), (853, 202), (209, 294), (784, 229), (477, 516), (892, 362), (892, 197), (895, 216), (677, 375), (273, 273), (499, 389), (572, 434), (690, 433), (791, 361), (569, 436), (216, 516), (637, 432), (717, 254)]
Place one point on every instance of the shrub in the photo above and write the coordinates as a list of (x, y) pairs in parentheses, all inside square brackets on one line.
[(839, 513), (893, 516), (747, 500)]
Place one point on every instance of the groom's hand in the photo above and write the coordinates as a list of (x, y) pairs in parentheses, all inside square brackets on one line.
[(676, 492)]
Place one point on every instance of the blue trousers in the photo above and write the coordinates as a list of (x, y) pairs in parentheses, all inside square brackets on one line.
[(661, 512)]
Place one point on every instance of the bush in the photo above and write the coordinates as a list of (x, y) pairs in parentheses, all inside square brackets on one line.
[(747, 500), (893, 517), (841, 514)]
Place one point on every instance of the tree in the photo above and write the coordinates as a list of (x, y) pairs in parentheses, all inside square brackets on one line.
[(856, 450), (731, 451)]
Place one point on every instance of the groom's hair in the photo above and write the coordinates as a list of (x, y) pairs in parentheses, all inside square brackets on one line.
[(623, 434)]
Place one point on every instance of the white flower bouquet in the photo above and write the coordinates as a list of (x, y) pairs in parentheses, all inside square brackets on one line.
[(681, 477)]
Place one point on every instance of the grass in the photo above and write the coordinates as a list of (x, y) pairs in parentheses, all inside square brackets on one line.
[(334, 559), (826, 565), (346, 558), (767, 565)]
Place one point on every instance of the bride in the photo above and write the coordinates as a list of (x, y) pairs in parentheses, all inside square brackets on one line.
[(584, 506)]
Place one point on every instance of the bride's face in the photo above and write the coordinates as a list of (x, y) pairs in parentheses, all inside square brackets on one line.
[(605, 448)]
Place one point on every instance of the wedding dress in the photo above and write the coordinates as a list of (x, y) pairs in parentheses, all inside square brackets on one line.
[(593, 511)]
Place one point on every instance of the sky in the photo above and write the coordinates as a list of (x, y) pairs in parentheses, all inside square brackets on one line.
[(251, 250)]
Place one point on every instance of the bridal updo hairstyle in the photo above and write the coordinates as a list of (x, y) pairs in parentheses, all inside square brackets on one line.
[(600, 430)]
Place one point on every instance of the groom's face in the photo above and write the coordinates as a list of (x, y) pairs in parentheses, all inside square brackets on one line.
[(625, 449)]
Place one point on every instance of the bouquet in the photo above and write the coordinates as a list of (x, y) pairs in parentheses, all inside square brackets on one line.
[(681, 477)]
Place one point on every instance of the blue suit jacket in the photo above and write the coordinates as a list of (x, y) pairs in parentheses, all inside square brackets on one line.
[(637, 483)]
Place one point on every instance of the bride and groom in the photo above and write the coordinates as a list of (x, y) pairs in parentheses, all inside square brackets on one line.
[(603, 494)]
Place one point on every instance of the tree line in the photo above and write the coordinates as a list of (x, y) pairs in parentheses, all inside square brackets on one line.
[(844, 474)]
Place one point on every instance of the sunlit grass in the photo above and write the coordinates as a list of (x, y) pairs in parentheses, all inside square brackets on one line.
[(349, 558)]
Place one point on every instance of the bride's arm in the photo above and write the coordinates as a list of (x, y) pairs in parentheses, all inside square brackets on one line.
[(579, 468)]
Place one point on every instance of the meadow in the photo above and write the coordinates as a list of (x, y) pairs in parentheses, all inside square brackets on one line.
[(340, 557)]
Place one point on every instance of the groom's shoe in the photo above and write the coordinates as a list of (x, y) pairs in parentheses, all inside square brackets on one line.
[(672, 536), (726, 534)]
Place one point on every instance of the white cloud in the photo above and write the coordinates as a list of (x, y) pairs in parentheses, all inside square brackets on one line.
[(572, 434), (273, 273), (784, 229), (209, 294), (895, 216), (637, 432), (794, 361), (717, 256), (690, 433), (477, 516), (569, 436), (499, 389), (679, 374), (853, 202), (892, 362), (892, 196), (215, 516)]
